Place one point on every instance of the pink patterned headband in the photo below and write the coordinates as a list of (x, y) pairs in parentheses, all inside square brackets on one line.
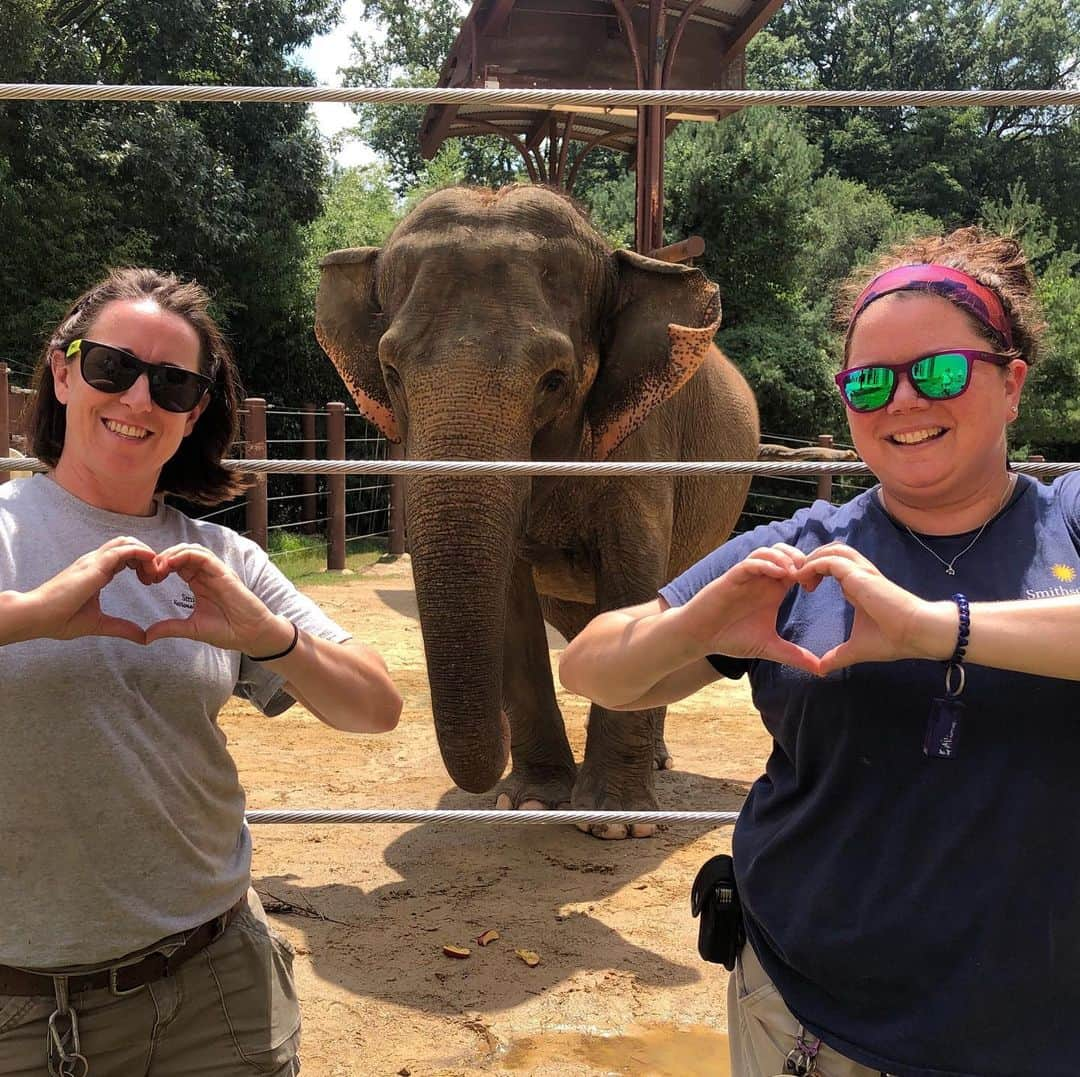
[(955, 285)]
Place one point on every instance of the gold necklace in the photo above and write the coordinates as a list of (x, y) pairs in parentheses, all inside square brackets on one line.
[(949, 569)]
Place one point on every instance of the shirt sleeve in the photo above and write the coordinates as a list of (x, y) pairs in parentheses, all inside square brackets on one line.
[(1067, 489), (256, 682), (715, 564)]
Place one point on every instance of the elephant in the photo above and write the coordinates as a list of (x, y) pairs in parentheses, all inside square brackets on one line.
[(500, 325)]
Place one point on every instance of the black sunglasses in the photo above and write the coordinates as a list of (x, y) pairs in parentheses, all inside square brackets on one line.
[(114, 370)]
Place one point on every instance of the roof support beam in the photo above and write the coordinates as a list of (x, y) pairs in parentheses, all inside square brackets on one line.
[(538, 132), (497, 20), (750, 25)]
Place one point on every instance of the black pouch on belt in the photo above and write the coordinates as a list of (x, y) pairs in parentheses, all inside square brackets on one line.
[(715, 899)]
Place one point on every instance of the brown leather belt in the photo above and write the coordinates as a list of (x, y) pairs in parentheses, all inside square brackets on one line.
[(122, 979)]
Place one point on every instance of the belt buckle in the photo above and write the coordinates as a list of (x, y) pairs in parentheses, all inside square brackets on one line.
[(114, 984)]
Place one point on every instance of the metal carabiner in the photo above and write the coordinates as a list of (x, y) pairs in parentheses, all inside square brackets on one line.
[(61, 1061), (958, 669), (801, 1060)]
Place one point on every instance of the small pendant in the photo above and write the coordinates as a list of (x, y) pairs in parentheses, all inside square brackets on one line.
[(943, 728), (950, 571)]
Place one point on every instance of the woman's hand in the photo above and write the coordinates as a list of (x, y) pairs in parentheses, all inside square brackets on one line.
[(890, 623), (736, 613), (68, 606), (226, 614)]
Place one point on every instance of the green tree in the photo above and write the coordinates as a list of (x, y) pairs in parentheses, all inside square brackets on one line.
[(220, 192), (1049, 419), (744, 184), (419, 35), (780, 235), (944, 162)]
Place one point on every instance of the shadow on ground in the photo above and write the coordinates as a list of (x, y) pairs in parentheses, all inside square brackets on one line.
[(458, 881)]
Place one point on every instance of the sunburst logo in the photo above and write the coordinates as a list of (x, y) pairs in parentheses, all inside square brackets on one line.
[(1064, 573)]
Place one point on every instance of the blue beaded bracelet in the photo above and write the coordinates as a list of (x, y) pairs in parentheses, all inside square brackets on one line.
[(963, 633)]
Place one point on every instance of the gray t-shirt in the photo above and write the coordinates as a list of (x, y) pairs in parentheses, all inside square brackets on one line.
[(121, 813)]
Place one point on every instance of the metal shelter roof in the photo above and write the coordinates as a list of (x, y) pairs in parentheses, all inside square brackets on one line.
[(585, 44)]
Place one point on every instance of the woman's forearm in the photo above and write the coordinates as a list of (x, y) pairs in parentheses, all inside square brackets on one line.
[(623, 654), (1039, 636), (345, 685), (16, 617)]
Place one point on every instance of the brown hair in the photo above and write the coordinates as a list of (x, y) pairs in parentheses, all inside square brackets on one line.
[(997, 262), (194, 472)]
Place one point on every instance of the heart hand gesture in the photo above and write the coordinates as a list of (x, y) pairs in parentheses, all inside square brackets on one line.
[(68, 606), (226, 613), (738, 610), (890, 623)]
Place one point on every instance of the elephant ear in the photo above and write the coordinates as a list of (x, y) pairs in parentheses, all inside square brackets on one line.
[(349, 324), (663, 320)]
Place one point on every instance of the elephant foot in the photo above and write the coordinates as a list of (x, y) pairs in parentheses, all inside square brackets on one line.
[(536, 790), (601, 789), (661, 756)]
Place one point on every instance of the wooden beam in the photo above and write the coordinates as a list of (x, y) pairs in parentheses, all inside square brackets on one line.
[(683, 251), (496, 20), (538, 132), (709, 15), (436, 127), (753, 21), (603, 140), (567, 134), (438, 118)]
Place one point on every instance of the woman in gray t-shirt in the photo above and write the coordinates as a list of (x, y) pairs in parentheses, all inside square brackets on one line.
[(124, 627)]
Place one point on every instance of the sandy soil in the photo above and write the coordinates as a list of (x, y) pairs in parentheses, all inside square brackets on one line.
[(619, 988)]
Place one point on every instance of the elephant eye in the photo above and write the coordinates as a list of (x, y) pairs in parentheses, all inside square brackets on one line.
[(552, 381), (392, 378)]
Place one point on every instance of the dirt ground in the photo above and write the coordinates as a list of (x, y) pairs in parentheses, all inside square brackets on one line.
[(619, 989)]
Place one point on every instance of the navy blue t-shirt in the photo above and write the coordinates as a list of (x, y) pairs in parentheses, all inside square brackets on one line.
[(919, 915)]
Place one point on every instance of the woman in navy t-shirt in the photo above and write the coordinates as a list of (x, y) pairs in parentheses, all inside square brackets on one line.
[(907, 862)]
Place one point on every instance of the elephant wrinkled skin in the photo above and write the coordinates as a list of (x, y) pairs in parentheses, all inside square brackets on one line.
[(500, 326)]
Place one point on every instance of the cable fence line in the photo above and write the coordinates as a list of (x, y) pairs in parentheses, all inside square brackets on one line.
[(338, 486), (555, 99), (533, 468), (307, 506), (465, 815), (296, 497), (547, 468)]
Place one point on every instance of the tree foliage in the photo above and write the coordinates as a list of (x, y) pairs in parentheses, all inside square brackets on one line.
[(418, 38), (1051, 406), (219, 192), (943, 162)]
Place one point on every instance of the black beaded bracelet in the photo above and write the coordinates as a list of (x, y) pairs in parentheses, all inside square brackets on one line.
[(280, 654), (963, 633)]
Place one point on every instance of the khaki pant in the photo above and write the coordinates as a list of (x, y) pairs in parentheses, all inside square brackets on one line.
[(762, 1030), (230, 1011)]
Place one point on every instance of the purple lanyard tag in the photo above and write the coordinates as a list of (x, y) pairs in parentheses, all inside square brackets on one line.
[(943, 728)]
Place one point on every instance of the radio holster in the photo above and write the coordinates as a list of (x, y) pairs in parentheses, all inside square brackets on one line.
[(715, 898)]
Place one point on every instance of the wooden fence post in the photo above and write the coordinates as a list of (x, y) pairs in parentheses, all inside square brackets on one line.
[(5, 424), (824, 483), (335, 484), (255, 449), (308, 483), (397, 503)]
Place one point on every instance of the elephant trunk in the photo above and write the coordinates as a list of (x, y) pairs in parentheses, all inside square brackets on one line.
[(462, 535)]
